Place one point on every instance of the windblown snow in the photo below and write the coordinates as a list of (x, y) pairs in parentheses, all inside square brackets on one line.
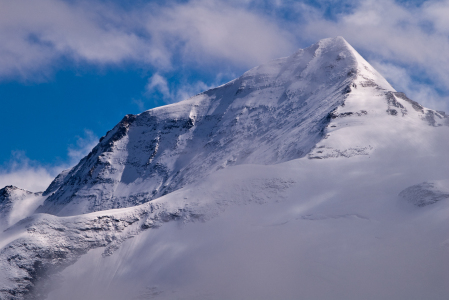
[(16, 204), (309, 177)]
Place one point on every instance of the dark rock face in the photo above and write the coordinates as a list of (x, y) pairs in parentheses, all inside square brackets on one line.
[(432, 117), (416, 106), (394, 105), (6, 192)]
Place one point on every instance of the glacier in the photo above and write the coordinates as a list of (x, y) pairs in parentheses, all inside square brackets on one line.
[(309, 177)]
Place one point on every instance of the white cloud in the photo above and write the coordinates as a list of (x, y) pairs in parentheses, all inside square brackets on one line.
[(26, 174), (190, 90), (31, 175), (180, 35), (216, 30), (35, 34), (160, 84)]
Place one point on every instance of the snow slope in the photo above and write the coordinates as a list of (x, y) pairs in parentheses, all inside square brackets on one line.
[(306, 178)]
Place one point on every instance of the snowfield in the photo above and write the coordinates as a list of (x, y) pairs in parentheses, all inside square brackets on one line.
[(306, 178)]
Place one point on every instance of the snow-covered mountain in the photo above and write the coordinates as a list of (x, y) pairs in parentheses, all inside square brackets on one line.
[(309, 177), (273, 113)]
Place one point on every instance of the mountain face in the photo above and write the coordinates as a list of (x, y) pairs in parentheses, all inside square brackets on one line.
[(309, 177), (273, 113)]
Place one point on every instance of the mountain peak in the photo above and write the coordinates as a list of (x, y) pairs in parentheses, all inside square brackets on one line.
[(365, 72), (273, 113)]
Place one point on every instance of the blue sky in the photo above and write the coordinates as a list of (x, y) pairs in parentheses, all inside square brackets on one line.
[(70, 70)]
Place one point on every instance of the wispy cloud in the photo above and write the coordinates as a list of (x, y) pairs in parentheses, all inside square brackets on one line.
[(140, 104), (31, 175), (22, 172), (82, 147), (158, 85)]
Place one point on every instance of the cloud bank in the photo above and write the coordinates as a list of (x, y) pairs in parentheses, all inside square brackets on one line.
[(169, 35), (38, 34), (173, 35)]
